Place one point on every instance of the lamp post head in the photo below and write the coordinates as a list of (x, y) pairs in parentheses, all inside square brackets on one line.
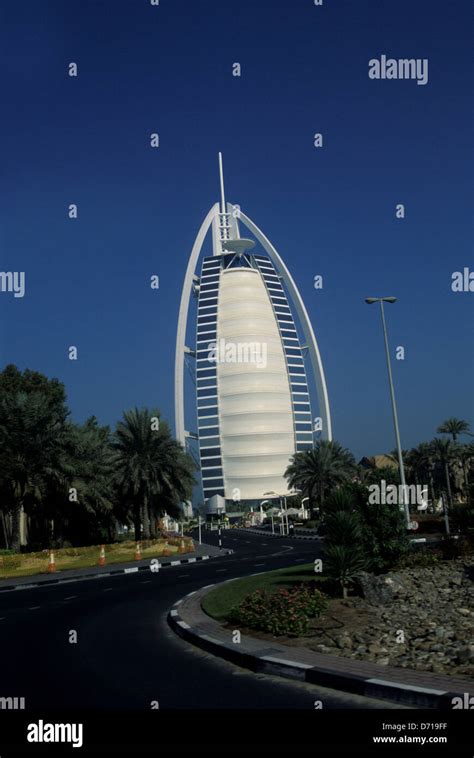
[(371, 300)]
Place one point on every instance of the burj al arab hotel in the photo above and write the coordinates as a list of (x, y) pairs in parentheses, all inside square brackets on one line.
[(252, 349)]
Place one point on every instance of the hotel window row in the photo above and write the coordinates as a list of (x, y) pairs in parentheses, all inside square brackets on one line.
[(303, 425), (206, 380)]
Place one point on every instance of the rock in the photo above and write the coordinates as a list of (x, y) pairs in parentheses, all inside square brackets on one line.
[(380, 590), (376, 648), (323, 649), (466, 654), (464, 611), (344, 641)]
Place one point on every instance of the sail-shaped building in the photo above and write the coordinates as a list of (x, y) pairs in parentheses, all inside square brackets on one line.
[(254, 349)]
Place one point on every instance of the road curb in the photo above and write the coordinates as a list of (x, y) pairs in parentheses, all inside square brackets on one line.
[(263, 533), (113, 572), (372, 680)]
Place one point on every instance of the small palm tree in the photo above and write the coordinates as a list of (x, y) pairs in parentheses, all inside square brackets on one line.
[(344, 558), (326, 466), (454, 427), (344, 564)]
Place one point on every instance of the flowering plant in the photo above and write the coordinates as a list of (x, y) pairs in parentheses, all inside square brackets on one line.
[(283, 612)]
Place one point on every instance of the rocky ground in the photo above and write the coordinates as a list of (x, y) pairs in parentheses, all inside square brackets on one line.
[(419, 618)]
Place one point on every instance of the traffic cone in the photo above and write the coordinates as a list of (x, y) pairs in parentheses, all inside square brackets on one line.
[(138, 554), (52, 562), (102, 556)]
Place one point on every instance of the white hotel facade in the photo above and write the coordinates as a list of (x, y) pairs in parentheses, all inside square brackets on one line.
[(252, 414)]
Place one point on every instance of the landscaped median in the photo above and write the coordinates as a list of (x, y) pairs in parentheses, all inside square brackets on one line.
[(13, 565), (275, 622)]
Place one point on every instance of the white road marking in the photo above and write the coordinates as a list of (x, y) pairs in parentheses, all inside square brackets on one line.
[(181, 576), (71, 597), (146, 581), (220, 571), (107, 589), (258, 564), (34, 608)]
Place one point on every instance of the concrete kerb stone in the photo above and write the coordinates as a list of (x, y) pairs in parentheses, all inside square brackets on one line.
[(418, 689), (262, 533)]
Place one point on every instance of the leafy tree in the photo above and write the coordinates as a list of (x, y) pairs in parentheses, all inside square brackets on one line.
[(383, 528), (316, 472), (32, 428)]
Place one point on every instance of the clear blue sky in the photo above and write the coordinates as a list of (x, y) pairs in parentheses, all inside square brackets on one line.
[(329, 211)]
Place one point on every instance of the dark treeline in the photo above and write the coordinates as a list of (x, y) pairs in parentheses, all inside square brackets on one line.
[(63, 482)]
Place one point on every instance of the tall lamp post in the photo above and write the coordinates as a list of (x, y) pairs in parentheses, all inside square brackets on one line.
[(382, 300)]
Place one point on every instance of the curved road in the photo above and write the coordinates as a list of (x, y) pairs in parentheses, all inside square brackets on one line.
[(126, 655)]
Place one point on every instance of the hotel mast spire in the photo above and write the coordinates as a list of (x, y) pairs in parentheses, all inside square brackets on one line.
[(221, 175)]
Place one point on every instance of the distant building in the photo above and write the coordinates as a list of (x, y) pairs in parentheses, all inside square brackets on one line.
[(378, 461), (253, 402)]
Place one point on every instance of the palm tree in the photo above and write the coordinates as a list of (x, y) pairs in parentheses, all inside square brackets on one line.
[(325, 467), (153, 471), (445, 452), (421, 462), (453, 426), (344, 558), (466, 458)]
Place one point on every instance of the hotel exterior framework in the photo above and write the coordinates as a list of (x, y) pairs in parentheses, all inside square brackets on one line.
[(252, 415)]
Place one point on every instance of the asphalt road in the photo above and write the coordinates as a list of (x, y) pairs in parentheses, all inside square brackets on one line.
[(126, 656)]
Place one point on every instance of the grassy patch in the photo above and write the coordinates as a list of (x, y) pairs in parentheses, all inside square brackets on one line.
[(219, 602), (28, 564)]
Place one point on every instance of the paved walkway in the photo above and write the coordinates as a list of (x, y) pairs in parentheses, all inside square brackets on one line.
[(416, 688)]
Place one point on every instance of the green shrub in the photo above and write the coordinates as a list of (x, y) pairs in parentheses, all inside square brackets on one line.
[(461, 518), (284, 612), (421, 558), (456, 548)]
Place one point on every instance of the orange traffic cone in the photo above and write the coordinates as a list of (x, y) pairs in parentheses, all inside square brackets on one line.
[(52, 562), (102, 556), (138, 554)]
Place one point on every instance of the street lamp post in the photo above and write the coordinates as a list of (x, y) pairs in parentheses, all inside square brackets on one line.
[(284, 511), (382, 300)]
